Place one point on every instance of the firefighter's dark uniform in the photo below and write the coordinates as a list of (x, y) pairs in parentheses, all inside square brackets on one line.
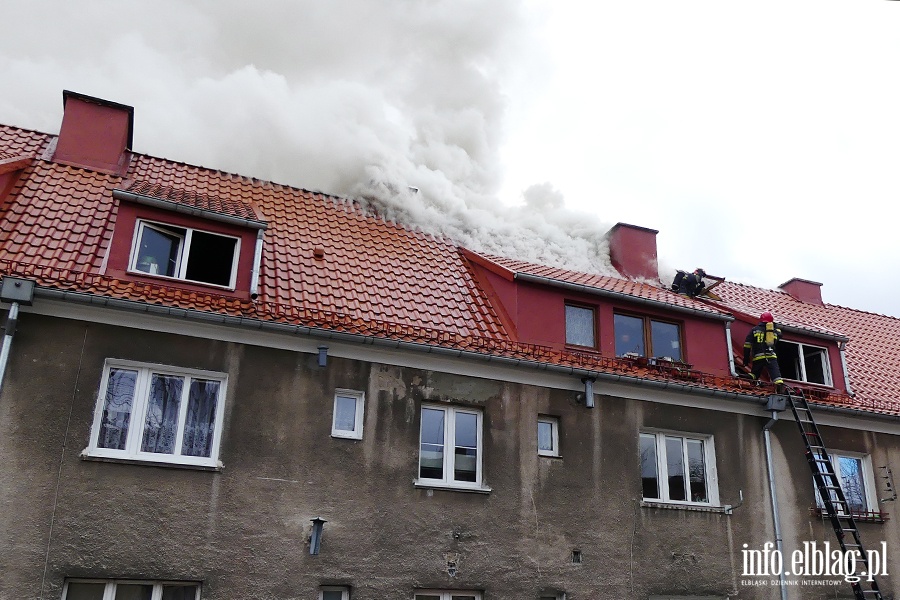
[(690, 284), (760, 346)]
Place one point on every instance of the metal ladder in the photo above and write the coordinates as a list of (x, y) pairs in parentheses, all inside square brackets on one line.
[(832, 495)]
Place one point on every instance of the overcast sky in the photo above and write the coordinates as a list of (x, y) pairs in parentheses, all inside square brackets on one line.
[(763, 141)]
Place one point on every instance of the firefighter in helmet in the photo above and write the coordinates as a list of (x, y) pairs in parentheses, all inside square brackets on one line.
[(760, 347), (690, 284)]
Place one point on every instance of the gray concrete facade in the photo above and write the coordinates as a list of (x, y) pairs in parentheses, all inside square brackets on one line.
[(243, 530)]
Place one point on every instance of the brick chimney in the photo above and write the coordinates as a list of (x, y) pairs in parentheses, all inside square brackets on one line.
[(95, 134), (632, 250), (804, 290)]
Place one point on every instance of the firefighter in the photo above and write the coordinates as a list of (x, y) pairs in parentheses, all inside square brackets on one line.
[(760, 346), (690, 284)]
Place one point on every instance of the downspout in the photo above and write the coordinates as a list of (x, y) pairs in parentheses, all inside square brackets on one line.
[(730, 349), (773, 496), (844, 368), (257, 258), (9, 332)]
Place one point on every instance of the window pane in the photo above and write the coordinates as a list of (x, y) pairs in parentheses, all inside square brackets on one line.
[(85, 591), (427, 597), (134, 591), (211, 258), (457, 597), (579, 326), (117, 409), (200, 422), (675, 468), (466, 454), (345, 414), (158, 251), (649, 476), (852, 482), (697, 471), (431, 454), (629, 335), (814, 361), (332, 595), (665, 340), (179, 592), (161, 425), (545, 436)]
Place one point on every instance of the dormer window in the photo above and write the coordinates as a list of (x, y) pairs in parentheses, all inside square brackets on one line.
[(185, 253), (580, 326), (802, 362), (644, 336)]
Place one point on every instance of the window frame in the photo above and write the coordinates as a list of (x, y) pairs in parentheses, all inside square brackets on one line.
[(357, 432), (449, 461), (138, 414), (868, 479), (829, 376), (554, 434), (594, 327), (447, 594), (343, 589), (647, 335), (109, 591), (183, 252), (709, 456)]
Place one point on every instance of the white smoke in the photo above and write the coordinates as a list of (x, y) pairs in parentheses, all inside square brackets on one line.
[(361, 98)]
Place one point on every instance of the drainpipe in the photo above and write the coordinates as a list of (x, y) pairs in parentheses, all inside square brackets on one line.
[(771, 473), (730, 349), (257, 258), (844, 368), (9, 332), (14, 291)]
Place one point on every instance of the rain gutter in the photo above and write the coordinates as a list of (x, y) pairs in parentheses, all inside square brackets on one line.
[(731, 368), (844, 368), (587, 289), (191, 210), (254, 273)]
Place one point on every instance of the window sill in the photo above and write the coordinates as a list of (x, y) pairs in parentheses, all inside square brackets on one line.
[(167, 278), (153, 463), (354, 438), (549, 455), (428, 485), (690, 507)]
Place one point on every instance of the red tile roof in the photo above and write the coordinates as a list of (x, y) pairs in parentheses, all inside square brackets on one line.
[(873, 349), (374, 278)]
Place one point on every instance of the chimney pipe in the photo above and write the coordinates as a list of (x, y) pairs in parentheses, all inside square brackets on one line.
[(632, 251), (95, 134), (804, 290)]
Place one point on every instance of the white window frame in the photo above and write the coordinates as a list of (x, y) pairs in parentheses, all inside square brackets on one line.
[(554, 434), (357, 432), (446, 594), (138, 416), (868, 475), (344, 590), (712, 479), (829, 380), (593, 312), (184, 250), (449, 456), (109, 592)]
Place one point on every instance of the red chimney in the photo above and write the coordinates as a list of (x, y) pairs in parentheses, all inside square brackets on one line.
[(632, 250), (804, 290), (95, 134)]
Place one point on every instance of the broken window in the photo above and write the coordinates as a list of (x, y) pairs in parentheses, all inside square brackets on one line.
[(802, 362), (185, 253)]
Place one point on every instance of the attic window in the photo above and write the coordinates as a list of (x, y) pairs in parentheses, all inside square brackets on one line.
[(580, 326), (185, 253), (802, 362), (643, 336)]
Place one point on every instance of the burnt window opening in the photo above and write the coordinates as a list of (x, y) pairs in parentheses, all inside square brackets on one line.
[(185, 253), (802, 362)]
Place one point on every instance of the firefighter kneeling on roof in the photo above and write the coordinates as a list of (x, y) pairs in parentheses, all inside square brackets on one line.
[(760, 344)]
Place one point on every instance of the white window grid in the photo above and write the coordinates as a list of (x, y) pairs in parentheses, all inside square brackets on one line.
[(449, 480), (327, 592), (359, 399), (109, 591), (139, 408), (446, 595), (553, 424), (184, 250), (801, 353), (866, 471), (709, 457)]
